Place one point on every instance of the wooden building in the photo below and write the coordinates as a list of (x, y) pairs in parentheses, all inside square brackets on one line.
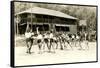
[(45, 20)]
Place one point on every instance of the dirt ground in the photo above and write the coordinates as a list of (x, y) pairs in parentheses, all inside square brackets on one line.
[(60, 56)]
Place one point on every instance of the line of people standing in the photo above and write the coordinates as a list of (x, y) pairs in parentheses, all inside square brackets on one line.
[(53, 40)]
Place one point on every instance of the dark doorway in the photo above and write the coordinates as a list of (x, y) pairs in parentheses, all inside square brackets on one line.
[(41, 27)]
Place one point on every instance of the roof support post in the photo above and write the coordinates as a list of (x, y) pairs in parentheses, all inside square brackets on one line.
[(43, 23), (31, 17), (17, 21)]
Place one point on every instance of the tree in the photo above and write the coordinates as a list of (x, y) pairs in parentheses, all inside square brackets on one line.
[(80, 12)]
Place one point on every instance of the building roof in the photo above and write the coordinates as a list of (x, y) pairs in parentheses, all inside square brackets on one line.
[(38, 10)]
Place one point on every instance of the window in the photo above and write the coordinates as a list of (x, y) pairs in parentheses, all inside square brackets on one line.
[(62, 28)]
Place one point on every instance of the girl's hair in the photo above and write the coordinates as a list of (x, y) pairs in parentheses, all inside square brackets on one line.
[(51, 31)]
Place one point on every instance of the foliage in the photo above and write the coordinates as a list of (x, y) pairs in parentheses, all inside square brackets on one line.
[(80, 12)]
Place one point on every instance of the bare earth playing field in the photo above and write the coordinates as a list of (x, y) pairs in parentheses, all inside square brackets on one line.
[(60, 56)]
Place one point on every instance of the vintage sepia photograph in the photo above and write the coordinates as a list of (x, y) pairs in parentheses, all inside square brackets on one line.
[(51, 33)]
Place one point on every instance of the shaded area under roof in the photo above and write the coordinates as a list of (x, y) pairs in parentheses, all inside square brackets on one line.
[(38, 10)]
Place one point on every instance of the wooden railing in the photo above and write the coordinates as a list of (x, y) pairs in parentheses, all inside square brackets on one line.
[(43, 20)]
